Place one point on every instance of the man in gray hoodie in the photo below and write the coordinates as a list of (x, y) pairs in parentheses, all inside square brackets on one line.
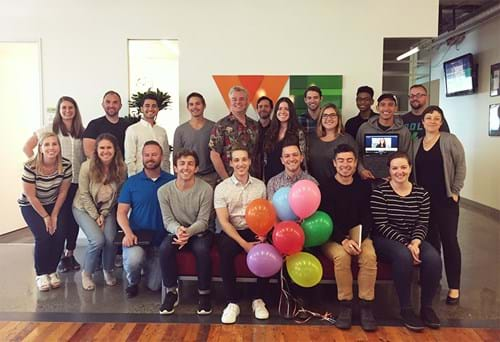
[(373, 166)]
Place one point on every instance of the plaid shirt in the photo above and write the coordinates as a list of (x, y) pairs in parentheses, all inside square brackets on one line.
[(282, 180), (307, 122), (229, 132)]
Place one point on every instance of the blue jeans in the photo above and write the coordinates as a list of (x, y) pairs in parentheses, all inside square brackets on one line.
[(136, 258), (99, 240)]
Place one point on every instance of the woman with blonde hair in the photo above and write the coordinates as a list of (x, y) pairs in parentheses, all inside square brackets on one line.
[(46, 180), (94, 206)]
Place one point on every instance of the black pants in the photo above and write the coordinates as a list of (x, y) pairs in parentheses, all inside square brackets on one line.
[(228, 250), (67, 221), (443, 228)]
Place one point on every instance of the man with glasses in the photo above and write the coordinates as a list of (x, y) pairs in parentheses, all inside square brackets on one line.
[(413, 119), (364, 102)]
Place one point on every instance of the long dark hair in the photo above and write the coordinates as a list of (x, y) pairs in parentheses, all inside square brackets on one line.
[(117, 169), (272, 134), (76, 126)]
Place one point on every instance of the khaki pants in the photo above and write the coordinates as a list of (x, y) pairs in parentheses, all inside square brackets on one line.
[(367, 275)]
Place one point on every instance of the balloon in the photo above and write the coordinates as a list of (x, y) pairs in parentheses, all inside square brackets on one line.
[(304, 269), (280, 203), (264, 260), (260, 216), (317, 229), (288, 237), (304, 198)]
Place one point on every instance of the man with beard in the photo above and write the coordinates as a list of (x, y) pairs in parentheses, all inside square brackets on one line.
[(413, 119), (347, 199), (309, 119), (144, 130), (109, 123), (139, 216), (195, 135), (264, 110), (364, 102)]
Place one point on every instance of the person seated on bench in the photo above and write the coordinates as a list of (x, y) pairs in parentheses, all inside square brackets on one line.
[(346, 198), (143, 228), (186, 204), (231, 198), (400, 212)]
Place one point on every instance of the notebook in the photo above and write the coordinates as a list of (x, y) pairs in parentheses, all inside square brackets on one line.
[(355, 234)]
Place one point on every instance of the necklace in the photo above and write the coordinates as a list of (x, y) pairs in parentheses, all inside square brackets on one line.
[(429, 142)]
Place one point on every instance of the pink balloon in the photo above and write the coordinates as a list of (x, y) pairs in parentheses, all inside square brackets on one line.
[(264, 260), (304, 198)]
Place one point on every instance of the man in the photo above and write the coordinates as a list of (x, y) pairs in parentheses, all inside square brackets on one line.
[(231, 199), (234, 129), (373, 166), (140, 217), (413, 119), (364, 102), (186, 205), (291, 158), (144, 130), (347, 199), (195, 135), (312, 98), (264, 109), (109, 123)]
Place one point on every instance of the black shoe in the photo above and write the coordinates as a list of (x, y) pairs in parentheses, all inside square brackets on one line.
[(430, 318), (170, 301), (411, 321), (344, 319), (132, 291), (204, 305), (452, 301), (368, 322), (64, 265), (75, 266)]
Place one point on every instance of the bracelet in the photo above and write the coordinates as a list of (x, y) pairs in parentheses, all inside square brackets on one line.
[(44, 217)]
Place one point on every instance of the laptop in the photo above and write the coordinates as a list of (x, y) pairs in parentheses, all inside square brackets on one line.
[(381, 143)]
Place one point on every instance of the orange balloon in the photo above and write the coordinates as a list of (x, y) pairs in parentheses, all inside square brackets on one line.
[(260, 216)]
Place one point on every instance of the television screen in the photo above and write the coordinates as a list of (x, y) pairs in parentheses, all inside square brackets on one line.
[(381, 143), (460, 76)]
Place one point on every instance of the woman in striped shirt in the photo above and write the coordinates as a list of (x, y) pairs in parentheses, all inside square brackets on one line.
[(46, 180), (400, 212)]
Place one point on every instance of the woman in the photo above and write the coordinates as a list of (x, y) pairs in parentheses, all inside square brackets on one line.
[(440, 169), (94, 206), (400, 212), (68, 127), (46, 180), (284, 123), (329, 134)]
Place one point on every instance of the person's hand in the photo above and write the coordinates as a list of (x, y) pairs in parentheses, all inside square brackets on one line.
[(181, 237), (454, 197), (260, 238), (351, 247), (414, 247), (53, 219), (100, 221), (247, 246), (129, 240), (48, 224), (366, 174)]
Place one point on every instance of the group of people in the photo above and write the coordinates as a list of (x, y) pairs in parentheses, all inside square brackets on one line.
[(114, 175)]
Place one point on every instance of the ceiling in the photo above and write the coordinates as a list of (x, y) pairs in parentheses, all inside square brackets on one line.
[(454, 12)]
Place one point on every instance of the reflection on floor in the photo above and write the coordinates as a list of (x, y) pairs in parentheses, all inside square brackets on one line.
[(19, 299)]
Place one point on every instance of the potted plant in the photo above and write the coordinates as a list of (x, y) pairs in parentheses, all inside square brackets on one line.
[(137, 99)]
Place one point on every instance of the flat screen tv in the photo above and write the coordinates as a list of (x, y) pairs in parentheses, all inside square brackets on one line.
[(460, 76)]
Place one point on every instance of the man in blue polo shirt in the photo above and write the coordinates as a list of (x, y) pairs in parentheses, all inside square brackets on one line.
[(143, 228)]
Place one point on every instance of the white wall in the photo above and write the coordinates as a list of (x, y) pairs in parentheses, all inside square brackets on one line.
[(468, 115), (84, 43)]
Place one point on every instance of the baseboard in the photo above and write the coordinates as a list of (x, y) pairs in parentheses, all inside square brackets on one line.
[(13, 231), (483, 209)]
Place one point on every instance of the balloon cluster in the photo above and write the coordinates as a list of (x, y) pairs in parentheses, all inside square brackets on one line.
[(298, 203)]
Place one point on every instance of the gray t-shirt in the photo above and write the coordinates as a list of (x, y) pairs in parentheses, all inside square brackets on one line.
[(186, 137)]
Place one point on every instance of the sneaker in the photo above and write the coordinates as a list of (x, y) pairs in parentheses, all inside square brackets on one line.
[(87, 282), (204, 305), (118, 261), (109, 278), (411, 321), (430, 318), (368, 322), (132, 291), (64, 265), (75, 266), (259, 309), (230, 313), (54, 280), (43, 282), (170, 301), (344, 318)]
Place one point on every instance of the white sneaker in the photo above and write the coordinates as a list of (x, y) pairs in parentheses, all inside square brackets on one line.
[(230, 313), (259, 309), (109, 278), (43, 282), (54, 280)]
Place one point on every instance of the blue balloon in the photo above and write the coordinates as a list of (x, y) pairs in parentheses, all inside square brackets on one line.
[(281, 205)]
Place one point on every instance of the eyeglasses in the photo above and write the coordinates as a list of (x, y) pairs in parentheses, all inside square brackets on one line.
[(411, 96), (329, 116)]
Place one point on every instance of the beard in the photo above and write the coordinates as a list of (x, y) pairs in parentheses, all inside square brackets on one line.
[(151, 165)]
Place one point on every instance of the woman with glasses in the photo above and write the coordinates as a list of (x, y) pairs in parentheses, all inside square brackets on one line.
[(329, 134)]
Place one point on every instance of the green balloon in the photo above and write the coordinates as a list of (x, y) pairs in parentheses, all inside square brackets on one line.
[(317, 229)]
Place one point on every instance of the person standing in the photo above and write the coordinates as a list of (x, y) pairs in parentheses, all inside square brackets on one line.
[(309, 119), (364, 102)]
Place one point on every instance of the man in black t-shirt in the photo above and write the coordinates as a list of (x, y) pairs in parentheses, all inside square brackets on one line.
[(109, 123), (364, 102)]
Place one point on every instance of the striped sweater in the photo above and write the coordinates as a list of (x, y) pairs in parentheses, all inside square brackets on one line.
[(400, 218)]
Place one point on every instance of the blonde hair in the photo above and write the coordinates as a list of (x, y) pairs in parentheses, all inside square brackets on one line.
[(36, 162), (320, 130)]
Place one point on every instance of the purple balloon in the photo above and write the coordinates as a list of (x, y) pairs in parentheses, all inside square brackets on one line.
[(264, 260)]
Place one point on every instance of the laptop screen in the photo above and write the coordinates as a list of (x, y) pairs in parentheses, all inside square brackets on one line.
[(381, 143)]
